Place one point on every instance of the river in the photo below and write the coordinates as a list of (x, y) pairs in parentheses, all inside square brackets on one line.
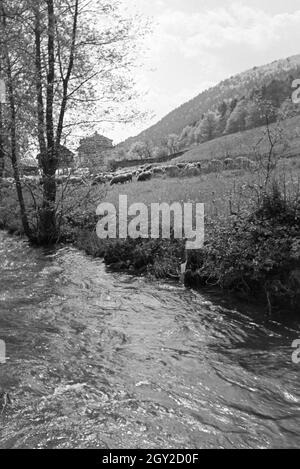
[(108, 360)]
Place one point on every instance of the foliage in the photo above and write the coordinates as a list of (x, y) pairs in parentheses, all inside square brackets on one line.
[(255, 253), (160, 258), (142, 150)]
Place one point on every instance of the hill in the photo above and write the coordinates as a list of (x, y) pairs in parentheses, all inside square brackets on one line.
[(233, 88)]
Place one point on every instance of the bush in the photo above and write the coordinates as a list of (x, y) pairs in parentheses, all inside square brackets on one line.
[(255, 254)]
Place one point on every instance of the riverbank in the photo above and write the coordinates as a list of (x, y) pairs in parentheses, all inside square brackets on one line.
[(255, 255), (252, 245)]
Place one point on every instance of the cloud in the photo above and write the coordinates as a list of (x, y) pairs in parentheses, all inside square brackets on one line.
[(194, 47), (220, 28), (190, 49)]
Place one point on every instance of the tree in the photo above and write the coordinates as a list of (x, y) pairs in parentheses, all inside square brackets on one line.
[(173, 143), (233, 104), (136, 150), (276, 92), (186, 137), (288, 109), (260, 112), (160, 152), (2, 154), (119, 154), (207, 127), (6, 57), (237, 119), (254, 116), (222, 117), (275, 139), (142, 150), (72, 56)]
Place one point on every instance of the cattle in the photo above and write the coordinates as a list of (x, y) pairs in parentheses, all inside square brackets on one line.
[(61, 180), (145, 176), (228, 163), (6, 182), (99, 179), (252, 165), (129, 177), (76, 180), (191, 170), (181, 165), (121, 179), (160, 170), (116, 180), (243, 163), (205, 167), (82, 172), (65, 178), (215, 166), (238, 163), (172, 171)]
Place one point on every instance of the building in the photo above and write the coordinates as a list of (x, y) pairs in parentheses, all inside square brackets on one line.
[(93, 151)]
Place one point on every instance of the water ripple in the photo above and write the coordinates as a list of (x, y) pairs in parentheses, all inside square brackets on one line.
[(107, 360)]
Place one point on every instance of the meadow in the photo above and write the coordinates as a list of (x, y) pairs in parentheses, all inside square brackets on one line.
[(222, 192)]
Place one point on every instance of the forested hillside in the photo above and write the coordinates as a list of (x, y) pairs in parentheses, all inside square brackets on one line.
[(239, 103)]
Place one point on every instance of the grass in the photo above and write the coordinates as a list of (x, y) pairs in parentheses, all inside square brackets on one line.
[(246, 144), (221, 192)]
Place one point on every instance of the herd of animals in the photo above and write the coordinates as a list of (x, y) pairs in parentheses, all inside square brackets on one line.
[(144, 173)]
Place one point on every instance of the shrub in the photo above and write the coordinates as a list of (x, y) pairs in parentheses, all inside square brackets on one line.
[(256, 253)]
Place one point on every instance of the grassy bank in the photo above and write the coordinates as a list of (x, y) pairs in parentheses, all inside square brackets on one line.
[(252, 245)]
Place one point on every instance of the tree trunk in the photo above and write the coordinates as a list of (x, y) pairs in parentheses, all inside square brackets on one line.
[(49, 142), (47, 230), (2, 161), (15, 165)]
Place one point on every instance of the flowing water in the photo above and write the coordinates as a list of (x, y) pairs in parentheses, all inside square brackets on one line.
[(106, 360)]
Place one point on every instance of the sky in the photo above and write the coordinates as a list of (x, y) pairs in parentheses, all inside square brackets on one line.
[(197, 43)]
